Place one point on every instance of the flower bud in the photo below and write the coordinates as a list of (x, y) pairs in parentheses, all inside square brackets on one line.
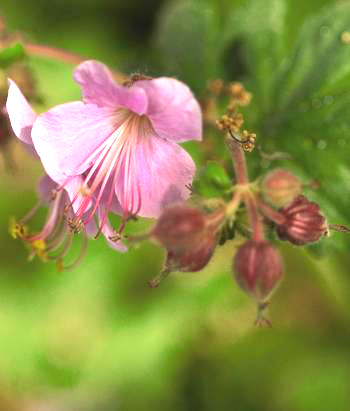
[(189, 236), (193, 259), (280, 187), (304, 222), (258, 268), (180, 227)]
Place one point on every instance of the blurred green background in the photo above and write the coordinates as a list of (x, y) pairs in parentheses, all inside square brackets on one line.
[(97, 338)]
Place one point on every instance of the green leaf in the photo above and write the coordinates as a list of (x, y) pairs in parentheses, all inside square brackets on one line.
[(310, 118), (11, 54), (212, 181), (257, 29), (319, 60), (186, 38)]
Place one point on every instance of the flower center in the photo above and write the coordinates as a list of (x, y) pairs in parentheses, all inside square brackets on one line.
[(112, 163)]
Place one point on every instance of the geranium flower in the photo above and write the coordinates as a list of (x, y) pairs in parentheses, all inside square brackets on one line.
[(117, 149), (53, 241)]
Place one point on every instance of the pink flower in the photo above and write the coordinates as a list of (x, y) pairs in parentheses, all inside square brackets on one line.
[(57, 231), (117, 150)]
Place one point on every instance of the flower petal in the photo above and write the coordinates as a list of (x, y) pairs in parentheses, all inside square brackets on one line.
[(157, 175), (45, 188), (77, 200), (98, 87), (173, 110), (20, 113), (66, 136)]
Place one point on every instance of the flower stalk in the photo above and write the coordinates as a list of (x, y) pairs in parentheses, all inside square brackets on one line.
[(241, 174)]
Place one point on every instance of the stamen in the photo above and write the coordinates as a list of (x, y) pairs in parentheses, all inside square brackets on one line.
[(66, 246), (76, 262), (51, 221), (31, 213)]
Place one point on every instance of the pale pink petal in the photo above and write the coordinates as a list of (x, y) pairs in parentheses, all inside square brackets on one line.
[(20, 113), (98, 87), (173, 110), (46, 188), (109, 232), (91, 229), (157, 175), (66, 136), (73, 187), (112, 203)]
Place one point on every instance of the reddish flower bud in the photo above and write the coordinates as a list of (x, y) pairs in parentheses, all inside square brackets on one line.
[(190, 237), (280, 187), (304, 222), (179, 227), (193, 259), (258, 268)]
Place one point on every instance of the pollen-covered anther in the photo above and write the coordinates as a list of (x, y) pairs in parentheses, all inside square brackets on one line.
[(75, 224), (238, 94), (39, 248), (230, 122), (17, 230), (248, 141)]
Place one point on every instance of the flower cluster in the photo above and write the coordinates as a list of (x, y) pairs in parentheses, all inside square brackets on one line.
[(117, 152), (190, 235)]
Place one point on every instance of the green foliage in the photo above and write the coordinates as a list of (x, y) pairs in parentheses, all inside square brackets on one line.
[(212, 180), (186, 36), (11, 54), (258, 29), (300, 98), (310, 117)]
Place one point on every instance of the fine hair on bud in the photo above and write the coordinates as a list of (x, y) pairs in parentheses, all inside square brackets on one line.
[(258, 268), (280, 187)]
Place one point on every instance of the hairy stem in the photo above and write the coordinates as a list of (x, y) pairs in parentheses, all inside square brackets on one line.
[(254, 218), (241, 173), (239, 163)]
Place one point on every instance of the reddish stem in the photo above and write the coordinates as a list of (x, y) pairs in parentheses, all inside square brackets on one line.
[(254, 218), (241, 173), (239, 163), (271, 214)]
